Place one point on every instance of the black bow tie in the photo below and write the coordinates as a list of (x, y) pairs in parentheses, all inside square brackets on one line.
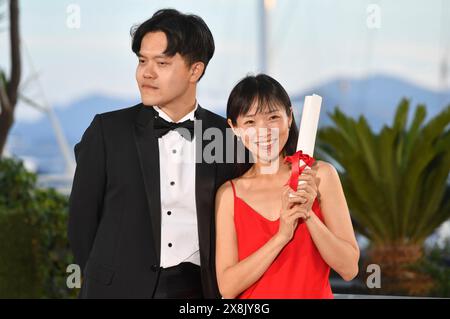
[(162, 127)]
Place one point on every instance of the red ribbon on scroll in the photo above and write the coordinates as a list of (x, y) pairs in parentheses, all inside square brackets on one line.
[(296, 169)]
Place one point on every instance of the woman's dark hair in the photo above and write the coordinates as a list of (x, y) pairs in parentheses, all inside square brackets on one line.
[(187, 34), (268, 95)]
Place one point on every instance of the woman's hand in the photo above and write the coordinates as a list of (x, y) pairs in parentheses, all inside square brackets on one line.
[(306, 190), (290, 213)]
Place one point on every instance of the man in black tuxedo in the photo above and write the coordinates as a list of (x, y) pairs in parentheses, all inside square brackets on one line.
[(141, 219)]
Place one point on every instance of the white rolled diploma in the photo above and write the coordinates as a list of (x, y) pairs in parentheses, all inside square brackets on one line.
[(308, 126)]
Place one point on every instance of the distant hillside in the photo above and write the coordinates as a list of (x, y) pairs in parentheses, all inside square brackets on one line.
[(376, 97)]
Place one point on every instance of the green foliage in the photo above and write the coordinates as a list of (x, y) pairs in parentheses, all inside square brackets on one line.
[(436, 264), (395, 181), (34, 251)]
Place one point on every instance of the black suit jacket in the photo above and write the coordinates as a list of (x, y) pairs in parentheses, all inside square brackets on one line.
[(115, 207)]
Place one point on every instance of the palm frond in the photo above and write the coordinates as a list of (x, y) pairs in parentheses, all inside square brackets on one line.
[(395, 181)]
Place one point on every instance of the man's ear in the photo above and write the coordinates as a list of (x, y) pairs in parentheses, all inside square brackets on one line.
[(197, 69)]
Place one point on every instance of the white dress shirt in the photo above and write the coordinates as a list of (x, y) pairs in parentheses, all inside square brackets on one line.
[(179, 232)]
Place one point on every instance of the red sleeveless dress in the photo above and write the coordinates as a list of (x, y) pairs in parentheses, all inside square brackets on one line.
[(298, 271)]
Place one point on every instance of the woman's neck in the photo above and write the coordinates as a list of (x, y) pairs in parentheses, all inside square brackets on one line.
[(270, 170)]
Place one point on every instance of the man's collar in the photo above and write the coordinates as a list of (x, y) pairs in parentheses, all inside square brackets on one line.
[(189, 116)]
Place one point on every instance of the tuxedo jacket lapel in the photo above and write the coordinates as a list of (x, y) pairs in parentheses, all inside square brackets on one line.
[(204, 185), (148, 151)]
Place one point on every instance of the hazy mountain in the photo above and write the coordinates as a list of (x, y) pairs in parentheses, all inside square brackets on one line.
[(376, 97)]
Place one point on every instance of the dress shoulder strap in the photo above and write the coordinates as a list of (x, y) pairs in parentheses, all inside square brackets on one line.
[(232, 186)]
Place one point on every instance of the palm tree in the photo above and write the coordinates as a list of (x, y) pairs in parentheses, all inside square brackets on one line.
[(396, 185)]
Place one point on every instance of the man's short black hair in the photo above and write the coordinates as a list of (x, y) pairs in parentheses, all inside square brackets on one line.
[(187, 34)]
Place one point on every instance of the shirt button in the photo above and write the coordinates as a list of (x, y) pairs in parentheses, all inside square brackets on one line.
[(169, 213), (170, 244), (172, 183), (174, 151)]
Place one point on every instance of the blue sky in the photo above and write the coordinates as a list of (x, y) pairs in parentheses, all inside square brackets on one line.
[(311, 41)]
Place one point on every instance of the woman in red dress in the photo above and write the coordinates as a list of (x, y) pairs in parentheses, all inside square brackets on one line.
[(272, 242)]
